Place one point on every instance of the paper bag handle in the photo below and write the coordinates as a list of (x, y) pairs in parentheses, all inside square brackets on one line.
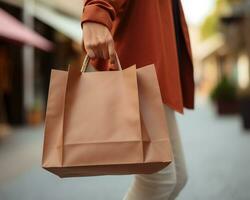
[(86, 60)]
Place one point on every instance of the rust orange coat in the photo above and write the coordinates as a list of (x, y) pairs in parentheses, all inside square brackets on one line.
[(146, 32)]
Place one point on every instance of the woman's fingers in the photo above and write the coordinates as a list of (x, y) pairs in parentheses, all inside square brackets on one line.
[(111, 51), (89, 50), (102, 50), (97, 50), (90, 53), (105, 52), (98, 41)]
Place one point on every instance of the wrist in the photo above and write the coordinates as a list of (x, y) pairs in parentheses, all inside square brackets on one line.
[(92, 13)]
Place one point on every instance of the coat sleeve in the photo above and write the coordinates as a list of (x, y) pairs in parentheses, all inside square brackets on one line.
[(101, 11)]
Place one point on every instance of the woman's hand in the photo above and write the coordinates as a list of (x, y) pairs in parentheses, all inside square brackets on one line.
[(98, 41)]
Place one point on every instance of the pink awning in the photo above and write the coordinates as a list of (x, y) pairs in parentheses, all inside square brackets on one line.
[(12, 29)]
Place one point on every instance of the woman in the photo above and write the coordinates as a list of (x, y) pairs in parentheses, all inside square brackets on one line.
[(144, 32)]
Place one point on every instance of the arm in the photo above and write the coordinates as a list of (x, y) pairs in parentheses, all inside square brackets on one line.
[(96, 21), (102, 11)]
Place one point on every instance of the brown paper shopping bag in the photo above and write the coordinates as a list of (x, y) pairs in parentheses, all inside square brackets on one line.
[(105, 123)]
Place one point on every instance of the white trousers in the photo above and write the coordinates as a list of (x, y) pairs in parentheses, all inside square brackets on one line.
[(167, 183)]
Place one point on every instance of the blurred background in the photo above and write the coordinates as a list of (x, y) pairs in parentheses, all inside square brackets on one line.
[(38, 35)]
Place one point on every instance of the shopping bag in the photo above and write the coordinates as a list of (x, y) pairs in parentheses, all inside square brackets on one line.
[(105, 123)]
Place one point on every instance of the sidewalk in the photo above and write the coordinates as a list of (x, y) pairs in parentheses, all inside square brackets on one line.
[(217, 153), (216, 149)]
